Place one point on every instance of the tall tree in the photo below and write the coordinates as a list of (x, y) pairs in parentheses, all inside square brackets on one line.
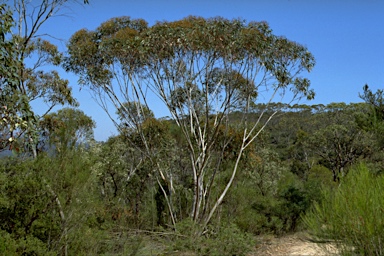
[(202, 70), (34, 55), (339, 140), (15, 110)]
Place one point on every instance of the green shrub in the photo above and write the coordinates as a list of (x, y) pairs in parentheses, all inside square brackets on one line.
[(8, 246), (275, 213), (222, 240), (29, 245), (36, 193), (294, 202), (230, 240), (319, 178), (352, 215), (261, 216)]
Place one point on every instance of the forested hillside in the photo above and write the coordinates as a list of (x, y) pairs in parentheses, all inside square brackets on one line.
[(232, 161), (94, 197)]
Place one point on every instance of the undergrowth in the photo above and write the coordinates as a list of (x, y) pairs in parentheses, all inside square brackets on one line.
[(352, 216)]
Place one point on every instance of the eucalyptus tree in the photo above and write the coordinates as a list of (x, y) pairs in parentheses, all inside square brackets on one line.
[(201, 70), (376, 100), (14, 108), (373, 121), (339, 140), (37, 76), (66, 129)]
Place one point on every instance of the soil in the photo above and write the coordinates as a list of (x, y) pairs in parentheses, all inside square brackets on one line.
[(292, 245)]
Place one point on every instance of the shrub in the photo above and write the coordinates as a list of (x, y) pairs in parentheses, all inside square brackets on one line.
[(229, 241), (261, 216), (225, 239), (319, 178), (276, 213), (46, 204), (29, 245), (352, 215)]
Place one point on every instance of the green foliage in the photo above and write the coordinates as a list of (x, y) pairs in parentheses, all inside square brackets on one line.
[(281, 213), (265, 169), (24, 196), (225, 239), (294, 201), (131, 113), (341, 145), (45, 203), (123, 244), (66, 129), (374, 120), (139, 48), (127, 179), (29, 245), (15, 111), (319, 178), (330, 135), (25, 57), (260, 216), (110, 195), (352, 216), (25, 201), (375, 100), (267, 198)]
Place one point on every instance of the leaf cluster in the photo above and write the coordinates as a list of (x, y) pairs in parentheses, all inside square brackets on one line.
[(139, 49), (15, 109), (66, 128)]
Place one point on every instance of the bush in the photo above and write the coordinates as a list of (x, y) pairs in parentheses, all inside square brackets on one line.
[(28, 245), (229, 241), (223, 240), (352, 216), (46, 204), (261, 216), (319, 178), (276, 213)]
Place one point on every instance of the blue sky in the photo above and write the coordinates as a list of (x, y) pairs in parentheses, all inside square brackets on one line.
[(345, 36)]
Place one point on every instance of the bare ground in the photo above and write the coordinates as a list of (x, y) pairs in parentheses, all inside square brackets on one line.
[(292, 245)]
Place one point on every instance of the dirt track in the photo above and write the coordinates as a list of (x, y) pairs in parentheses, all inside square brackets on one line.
[(292, 245)]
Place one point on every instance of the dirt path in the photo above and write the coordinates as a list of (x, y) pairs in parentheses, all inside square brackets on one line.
[(292, 245)]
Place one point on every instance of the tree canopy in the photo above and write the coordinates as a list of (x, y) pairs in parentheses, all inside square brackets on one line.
[(202, 70), (29, 71)]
